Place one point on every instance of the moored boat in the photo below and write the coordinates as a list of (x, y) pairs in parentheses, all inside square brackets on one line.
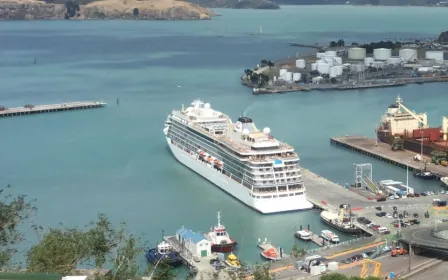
[(271, 254), (163, 251), (444, 181), (329, 236), (220, 239), (340, 223), (233, 261), (425, 175), (304, 235)]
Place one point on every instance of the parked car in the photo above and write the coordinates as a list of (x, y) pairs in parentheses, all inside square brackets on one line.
[(395, 207), (378, 208), (389, 216), (416, 194), (380, 199)]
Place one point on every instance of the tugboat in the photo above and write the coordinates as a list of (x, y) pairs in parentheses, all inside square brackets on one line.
[(163, 251), (220, 239), (425, 174)]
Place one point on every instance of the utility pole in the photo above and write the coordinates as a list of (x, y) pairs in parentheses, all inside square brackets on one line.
[(410, 255)]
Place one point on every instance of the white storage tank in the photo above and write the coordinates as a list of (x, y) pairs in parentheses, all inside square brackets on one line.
[(317, 79), (337, 60), (331, 53), (333, 72), (282, 73), (382, 54), (378, 64), (408, 54), (329, 60), (288, 77), (346, 65), (296, 77), (339, 70), (300, 63), (436, 55), (320, 54), (323, 68), (368, 61), (394, 61), (356, 53), (313, 66)]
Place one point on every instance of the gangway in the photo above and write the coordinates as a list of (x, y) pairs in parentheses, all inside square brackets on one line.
[(371, 185), (363, 177)]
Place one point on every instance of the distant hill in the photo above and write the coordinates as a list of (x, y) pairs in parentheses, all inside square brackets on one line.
[(360, 2), (102, 9), (237, 4)]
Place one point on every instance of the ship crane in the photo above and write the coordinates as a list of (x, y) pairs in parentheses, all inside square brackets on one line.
[(421, 119)]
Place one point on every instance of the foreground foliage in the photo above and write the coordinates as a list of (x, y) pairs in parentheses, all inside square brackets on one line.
[(14, 210), (339, 276), (63, 250)]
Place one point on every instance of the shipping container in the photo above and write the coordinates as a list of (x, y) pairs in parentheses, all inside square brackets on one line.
[(432, 133)]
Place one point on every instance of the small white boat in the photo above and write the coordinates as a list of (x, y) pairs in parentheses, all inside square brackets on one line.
[(444, 181), (304, 235), (330, 236)]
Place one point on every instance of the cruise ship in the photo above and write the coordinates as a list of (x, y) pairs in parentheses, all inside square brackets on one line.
[(249, 164)]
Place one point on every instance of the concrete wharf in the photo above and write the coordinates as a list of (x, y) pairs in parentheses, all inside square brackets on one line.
[(40, 109), (383, 152)]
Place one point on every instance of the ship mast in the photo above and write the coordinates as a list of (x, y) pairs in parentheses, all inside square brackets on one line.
[(219, 219)]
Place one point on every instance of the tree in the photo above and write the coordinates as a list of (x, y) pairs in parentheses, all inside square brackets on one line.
[(333, 44), (163, 271), (263, 63), (262, 272), (135, 12), (270, 64), (297, 252), (14, 210), (341, 43), (63, 250)]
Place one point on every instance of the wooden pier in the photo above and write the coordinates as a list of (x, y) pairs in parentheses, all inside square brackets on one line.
[(383, 152), (40, 109), (316, 239), (200, 266)]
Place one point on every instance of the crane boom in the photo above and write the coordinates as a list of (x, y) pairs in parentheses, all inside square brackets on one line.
[(420, 119)]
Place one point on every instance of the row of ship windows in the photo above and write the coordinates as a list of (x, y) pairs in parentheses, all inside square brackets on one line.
[(247, 185), (275, 196), (208, 139), (237, 165), (234, 173), (184, 138)]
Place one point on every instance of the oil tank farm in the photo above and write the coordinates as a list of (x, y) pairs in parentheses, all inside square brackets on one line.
[(300, 63), (356, 53), (394, 61), (368, 61)]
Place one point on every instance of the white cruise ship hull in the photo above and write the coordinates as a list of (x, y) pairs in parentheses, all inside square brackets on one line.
[(240, 192)]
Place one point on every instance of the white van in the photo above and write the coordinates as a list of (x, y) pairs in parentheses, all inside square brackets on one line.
[(383, 230)]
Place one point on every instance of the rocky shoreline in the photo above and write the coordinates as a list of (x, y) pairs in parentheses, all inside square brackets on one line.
[(127, 10)]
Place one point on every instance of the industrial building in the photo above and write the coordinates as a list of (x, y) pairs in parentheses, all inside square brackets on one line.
[(195, 243)]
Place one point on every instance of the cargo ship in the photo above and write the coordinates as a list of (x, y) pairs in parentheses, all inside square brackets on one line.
[(405, 129)]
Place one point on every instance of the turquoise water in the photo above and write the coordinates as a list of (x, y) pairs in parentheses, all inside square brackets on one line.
[(115, 160)]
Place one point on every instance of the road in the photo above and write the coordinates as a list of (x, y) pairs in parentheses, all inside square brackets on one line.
[(437, 272), (424, 238)]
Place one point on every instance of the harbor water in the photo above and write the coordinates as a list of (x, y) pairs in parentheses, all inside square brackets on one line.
[(115, 160)]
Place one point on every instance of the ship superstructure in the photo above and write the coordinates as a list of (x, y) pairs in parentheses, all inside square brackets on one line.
[(401, 125), (249, 164)]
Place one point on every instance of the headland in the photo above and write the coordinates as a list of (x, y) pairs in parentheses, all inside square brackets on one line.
[(104, 9)]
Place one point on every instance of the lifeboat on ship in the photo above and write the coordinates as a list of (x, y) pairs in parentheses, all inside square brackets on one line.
[(210, 160), (218, 164), (220, 239)]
